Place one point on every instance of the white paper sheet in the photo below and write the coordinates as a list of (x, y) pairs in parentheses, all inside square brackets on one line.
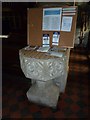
[(71, 9), (51, 19), (66, 23)]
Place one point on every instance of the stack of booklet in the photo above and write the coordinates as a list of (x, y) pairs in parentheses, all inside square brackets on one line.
[(43, 49)]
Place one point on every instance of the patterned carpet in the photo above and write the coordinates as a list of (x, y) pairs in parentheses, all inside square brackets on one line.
[(71, 104)]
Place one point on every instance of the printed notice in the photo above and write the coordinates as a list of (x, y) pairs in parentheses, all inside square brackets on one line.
[(51, 19), (66, 23)]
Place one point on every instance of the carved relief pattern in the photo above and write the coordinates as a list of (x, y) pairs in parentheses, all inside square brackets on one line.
[(42, 69)]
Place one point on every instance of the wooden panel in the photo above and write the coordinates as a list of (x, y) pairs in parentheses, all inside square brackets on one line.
[(34, 27), (35, 33)]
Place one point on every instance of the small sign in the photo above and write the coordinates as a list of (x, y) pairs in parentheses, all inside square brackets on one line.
[(45, 40), (55, 39)]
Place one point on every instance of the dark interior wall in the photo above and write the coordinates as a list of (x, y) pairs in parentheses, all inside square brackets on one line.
[(14, 14), (83, 13)]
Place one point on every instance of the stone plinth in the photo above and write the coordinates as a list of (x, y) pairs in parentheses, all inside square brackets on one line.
[(48, 75), (45, 93)]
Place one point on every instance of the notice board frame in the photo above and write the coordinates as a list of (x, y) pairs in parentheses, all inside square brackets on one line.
[(35, 32)]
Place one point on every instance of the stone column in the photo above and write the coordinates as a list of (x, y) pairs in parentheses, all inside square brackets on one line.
[(45, 93)]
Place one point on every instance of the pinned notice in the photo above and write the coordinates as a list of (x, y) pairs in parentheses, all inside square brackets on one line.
[(66, 23), (51, 19)]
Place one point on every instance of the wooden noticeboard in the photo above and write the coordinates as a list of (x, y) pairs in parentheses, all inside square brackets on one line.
[(35, 32)]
